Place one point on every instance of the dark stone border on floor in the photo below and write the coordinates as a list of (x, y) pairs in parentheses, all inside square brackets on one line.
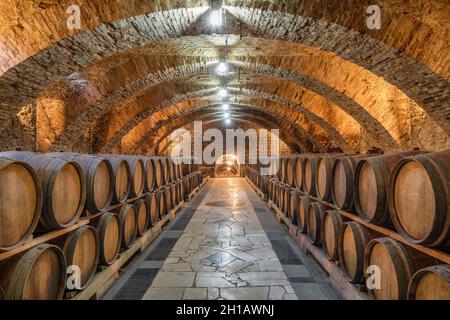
[(293, 260), (134, 282)]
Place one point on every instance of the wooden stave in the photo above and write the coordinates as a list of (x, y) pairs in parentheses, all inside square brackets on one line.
[(319, 211), (101, 227), (382, 167), (286, 200), (133, 162), (298, 176), (168, 196), (116, 163), (337, 220), (361, 241), (304, 202), (89, 164), (39, 202), (137, 206), (121, 212), (159, 179), (152, 199), (19, 267), (442, 271), (437, 166), (313, 164), (69, 248), (401, 262)]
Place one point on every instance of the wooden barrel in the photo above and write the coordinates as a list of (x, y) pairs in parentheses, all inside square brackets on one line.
[(331, 225), (168, 196), (186, 168), (281, 191), (162, 203), (290, 170), (159, 176), (63, 186), (20, 202), (172, 173), (303, 211), (110, 237), (149, 174), (352, 242), (324, 180), (153, 207), (187, 185), (293, 206), (370, 187), (137, 175), (286, 200), (99, 179), (81, 249), (431, 283), (397, 264), (165, 166), (342, 186), (173, 193), (315, 216), (121, 178), (298, 176), (128, 224), (419, 198), (143, 216), (38, 274), (310, 165)]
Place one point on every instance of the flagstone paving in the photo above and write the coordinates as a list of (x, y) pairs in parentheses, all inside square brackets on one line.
[(230, 248)]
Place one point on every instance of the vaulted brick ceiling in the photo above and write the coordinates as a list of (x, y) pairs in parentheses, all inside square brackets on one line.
[(140, 69)]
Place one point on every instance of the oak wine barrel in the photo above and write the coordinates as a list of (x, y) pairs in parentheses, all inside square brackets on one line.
[(162, 203), (293, 206), (324, 180), (143, 216), (303, 211), (187, 185), (315, 216), (173, 193), (352, 241), (168, 196), (153, 207), (63, 186), (137, 175), (165, 166), (149, 174), (286, 200), (99, 179), (20, 202), (431, 283), (159, 176), (298, 176), (342, 186), (121, 178), (310, 165), (110, 237), (81, 249), (419, 199), (370, 187), (38, 274), (128, 224), (331, 226), (397, 265), (290, 170)]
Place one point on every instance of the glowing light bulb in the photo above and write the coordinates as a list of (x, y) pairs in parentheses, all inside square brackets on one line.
[(215, 18), (226, 115), (223, 92), (225, 106), (227, 121), (222, 67)]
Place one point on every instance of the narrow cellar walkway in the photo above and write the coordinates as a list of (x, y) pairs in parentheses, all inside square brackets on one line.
[(224, 245)]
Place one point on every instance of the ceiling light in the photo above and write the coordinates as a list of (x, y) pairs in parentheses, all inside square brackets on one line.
[(215, 18), (226, 115), (222, 67), (227, 121), (223, 92), (225, 106)]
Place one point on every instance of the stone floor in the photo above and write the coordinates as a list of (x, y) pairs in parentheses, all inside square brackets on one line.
[(224, 245)]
